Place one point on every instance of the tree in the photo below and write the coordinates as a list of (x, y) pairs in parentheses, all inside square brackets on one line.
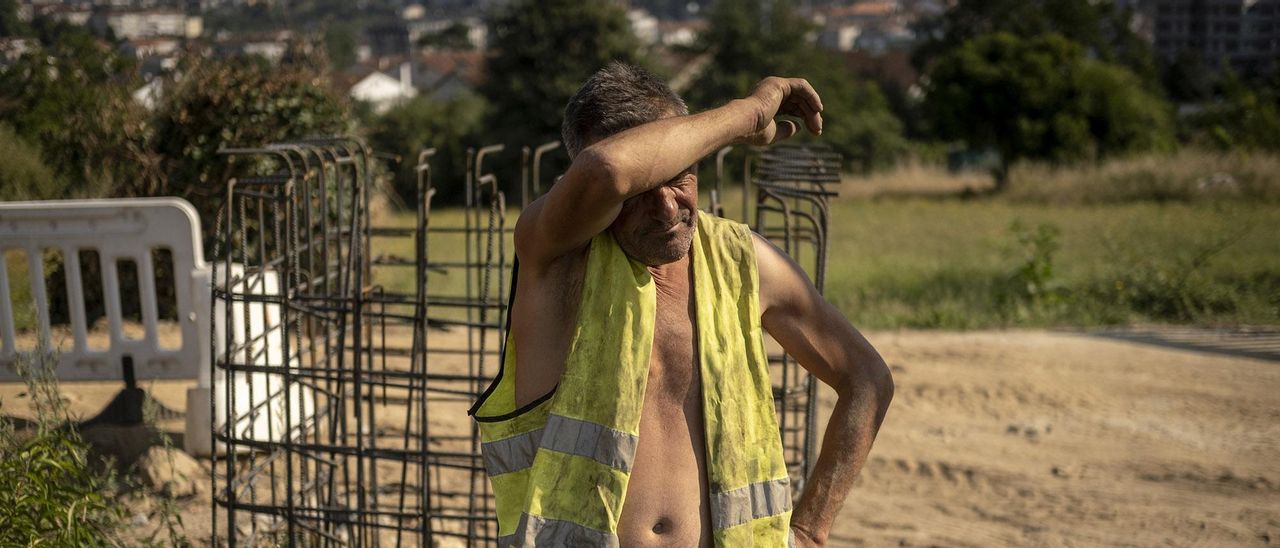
[(543, 51), (749, 41), (10, 23), (340, 45), (1104, 28), (1246, 117), (214, 104), (70, 97), (1041, 98), (448, 126)]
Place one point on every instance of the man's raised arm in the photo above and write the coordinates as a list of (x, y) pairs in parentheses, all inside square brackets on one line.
[(604, 175), (823, 342)]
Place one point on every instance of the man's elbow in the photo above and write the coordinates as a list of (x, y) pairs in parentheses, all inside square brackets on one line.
[(599, 174), (874, 380), (882, 381)]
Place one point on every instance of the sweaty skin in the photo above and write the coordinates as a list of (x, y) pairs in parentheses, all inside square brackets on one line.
[(637, 185)]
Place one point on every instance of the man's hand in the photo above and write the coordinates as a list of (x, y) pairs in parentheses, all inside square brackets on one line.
[(776, 96)]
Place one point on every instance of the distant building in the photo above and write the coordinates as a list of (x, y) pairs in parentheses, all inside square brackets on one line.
[(840, 36), (643, 25), (74, 15), (11, 49), (144, 48), (445, 75), (1242, 33), (376, 84), (681, 33), (875, 26), (271, 45), (157, 23), (388, 81)]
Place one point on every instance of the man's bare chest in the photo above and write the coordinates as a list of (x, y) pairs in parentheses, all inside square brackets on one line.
[(673, 365)]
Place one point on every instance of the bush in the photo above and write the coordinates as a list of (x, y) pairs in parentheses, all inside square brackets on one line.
[(49, 492), (241, 102), (23, 172), (449, 126)]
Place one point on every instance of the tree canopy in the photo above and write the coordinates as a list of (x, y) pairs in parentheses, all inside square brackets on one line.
[(749, 40), (1102, 27), (1041, 98), (542, 52), (70, 98)]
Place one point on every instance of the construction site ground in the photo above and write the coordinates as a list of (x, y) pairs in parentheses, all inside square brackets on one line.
[(1004, 438)]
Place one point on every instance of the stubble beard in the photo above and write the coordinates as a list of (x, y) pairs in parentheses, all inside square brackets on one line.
[(652, 246)]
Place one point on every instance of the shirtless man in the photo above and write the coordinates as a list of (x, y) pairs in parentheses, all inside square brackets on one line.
[(638, 184)]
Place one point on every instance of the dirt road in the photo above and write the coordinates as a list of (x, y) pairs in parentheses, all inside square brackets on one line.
[(1032, 438)]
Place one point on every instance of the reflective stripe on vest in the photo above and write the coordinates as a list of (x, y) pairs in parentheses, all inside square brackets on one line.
[(560, 466)]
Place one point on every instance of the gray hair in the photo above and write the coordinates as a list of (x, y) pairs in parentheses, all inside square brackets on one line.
[(616, 98)]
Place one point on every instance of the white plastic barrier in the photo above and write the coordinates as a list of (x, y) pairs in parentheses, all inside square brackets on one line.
[(259, 411), (129, 230), (118, 230)]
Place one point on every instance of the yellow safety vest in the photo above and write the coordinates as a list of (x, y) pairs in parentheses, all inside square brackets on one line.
[(559, 466)]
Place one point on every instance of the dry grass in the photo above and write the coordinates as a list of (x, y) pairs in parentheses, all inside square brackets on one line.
[(1187, 175), (915, 178)]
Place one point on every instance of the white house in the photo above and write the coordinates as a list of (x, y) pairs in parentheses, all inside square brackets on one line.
[(383, 91)]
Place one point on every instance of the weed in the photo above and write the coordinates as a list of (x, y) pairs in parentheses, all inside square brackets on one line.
[(49, 492)]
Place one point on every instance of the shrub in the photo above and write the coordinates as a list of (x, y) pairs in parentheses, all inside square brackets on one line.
[(49, 493), (23, 172)]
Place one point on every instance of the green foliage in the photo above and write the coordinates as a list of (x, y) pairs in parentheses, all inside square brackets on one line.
[(1033, 279), (1041, 98), (1246, 117), (749, 41), (69, 98), (10, 24), (340, 45), (544, 50), (449, 126), (1122, 116), (23, 171), (235, 102), (49, 492), (1100, 26), (945, 263)]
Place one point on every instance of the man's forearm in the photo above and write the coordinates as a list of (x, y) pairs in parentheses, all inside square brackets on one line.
[(648, 155), (849, 434)]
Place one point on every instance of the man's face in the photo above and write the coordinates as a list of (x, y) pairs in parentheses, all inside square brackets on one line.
[(656, 227)]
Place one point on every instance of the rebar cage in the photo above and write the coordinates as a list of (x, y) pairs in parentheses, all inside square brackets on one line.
[(341, 390)]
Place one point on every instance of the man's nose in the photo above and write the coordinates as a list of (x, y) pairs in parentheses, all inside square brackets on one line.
[(664, 204)]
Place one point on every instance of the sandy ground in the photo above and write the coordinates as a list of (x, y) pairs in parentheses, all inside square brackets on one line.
[(1025, 438), (1051, 439)]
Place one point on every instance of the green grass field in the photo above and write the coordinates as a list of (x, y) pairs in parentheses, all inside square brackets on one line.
[(1185, 237), (956, 263)]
